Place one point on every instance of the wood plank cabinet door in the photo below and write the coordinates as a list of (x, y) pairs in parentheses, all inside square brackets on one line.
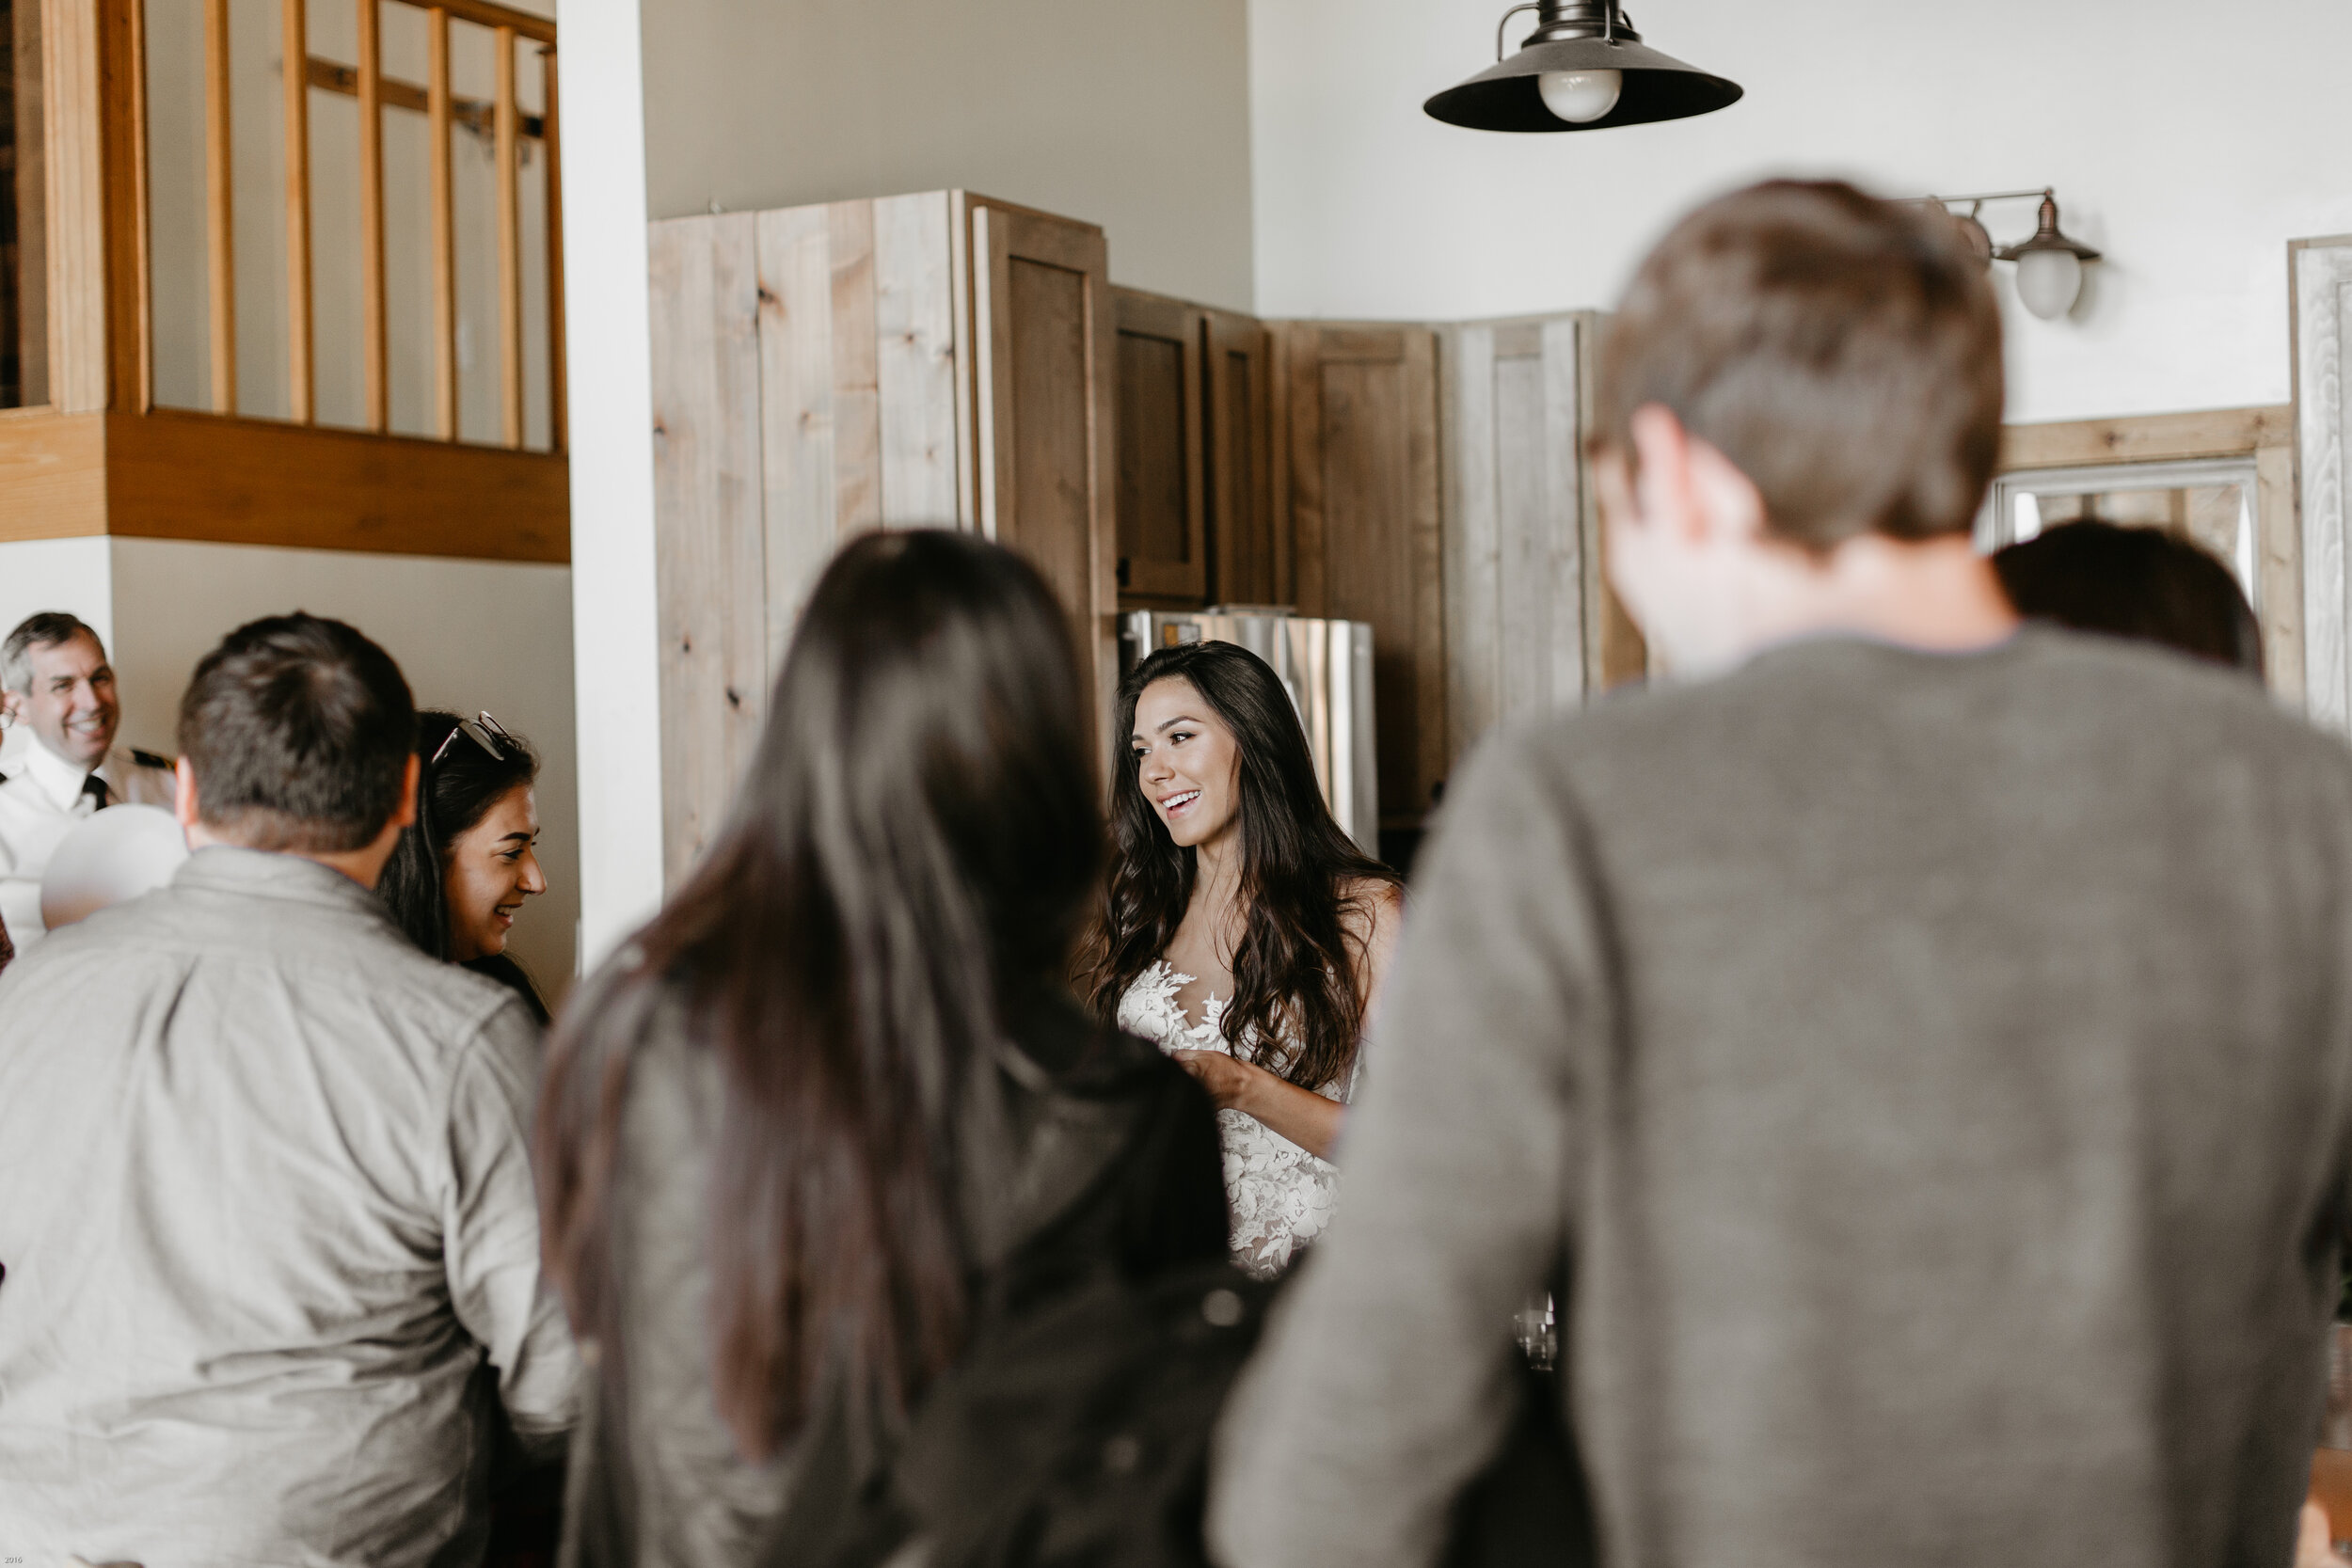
[(1163, 479), (1532, 624), (1248, 535), (1358, 407), (708, 554), (1046, 337)]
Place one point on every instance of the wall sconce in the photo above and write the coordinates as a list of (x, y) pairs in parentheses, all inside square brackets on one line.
[(1582, 68), (2049, 266)]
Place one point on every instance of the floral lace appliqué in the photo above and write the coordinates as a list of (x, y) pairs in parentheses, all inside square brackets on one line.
[(1280, 1195)]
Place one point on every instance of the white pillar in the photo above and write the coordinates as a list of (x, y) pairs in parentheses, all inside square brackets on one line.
[(616, 629)]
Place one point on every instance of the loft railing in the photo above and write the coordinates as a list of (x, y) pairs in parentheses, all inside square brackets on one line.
[(507, 127)]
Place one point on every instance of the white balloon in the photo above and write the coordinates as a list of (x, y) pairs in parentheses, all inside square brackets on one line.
[(113, 856)]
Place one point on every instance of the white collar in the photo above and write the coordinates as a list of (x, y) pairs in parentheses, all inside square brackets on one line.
[(56, 778)]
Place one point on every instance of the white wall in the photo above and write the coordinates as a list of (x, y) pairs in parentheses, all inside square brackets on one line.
[(2188, 142), (468, 635), (1132, 114)]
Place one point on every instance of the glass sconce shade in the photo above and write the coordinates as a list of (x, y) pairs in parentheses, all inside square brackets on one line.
[(2049, 281)]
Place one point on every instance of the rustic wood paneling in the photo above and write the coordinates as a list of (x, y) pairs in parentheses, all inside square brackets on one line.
[(1248, 538), (1515, 533), (801, 507), (1163, 478), (710, 546), (853, 345), (73, 49), (1360, 413), (1046, 409), (916, 364)]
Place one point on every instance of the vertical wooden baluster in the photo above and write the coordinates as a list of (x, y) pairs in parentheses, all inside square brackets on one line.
[(296, 72), (219, 179), (142, 238), (444, 230), (375, 353), (557, 414), (510, 247)]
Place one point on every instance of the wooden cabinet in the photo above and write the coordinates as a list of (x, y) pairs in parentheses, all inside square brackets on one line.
[(1532, 625), (1249, 547), (1163, 466), (1355, 408), (933, 361)]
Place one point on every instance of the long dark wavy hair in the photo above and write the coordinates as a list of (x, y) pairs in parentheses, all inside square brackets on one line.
[(905, 868), (1294, 972), (453, 795)]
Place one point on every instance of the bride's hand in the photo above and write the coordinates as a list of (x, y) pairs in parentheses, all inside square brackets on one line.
[(1229, 1082)]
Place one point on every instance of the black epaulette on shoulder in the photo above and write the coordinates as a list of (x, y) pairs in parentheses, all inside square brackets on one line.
[(149, 759)]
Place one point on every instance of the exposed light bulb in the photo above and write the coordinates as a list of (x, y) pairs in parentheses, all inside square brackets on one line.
[(1581, 97), (2048, 282)]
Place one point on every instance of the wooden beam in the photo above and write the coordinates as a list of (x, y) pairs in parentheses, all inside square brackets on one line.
[(53, 474), (2146, 438), (444, 230), (509, 153), (220, 230), (174, 475), (375, 349), (300, 361), (558, 415)]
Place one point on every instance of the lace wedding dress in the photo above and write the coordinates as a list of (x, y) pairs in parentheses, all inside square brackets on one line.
[(1280, 1195)]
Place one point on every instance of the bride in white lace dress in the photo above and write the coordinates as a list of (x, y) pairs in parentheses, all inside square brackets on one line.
[(1243, 933)]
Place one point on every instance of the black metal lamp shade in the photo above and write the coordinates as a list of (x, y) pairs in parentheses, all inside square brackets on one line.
[(1505, 96)]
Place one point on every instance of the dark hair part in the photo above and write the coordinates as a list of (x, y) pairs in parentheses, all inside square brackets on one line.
[(1294, 972), (904, 867), (299, 730), (453, 795), (45, 628), (2136, 582), (1843, 353)]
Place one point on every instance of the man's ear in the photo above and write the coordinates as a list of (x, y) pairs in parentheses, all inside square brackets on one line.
[(404, 814), (183, 793), (11, 707), (1664, 492)]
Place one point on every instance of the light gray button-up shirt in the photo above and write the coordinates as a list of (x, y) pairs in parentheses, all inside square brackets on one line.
[(265, 1211)]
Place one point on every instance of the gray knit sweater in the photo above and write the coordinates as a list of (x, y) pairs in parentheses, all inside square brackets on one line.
[(1937, 1067)]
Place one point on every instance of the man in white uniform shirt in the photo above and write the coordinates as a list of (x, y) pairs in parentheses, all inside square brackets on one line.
[(56, 685)]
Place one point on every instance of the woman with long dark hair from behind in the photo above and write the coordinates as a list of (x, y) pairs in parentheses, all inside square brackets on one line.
[(1241, 930), (460, 874), (835, 1104)]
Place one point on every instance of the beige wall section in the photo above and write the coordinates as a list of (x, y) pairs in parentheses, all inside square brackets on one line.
[(73, 574), (468, 634), (1130, 113)]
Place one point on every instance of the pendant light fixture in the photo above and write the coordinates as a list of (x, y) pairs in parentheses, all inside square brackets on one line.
[(1582, 68)]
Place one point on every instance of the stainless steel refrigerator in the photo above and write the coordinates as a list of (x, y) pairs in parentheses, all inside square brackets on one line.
[(1327, 667)]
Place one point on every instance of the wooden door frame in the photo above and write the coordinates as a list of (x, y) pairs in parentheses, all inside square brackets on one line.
[(2265, 434)]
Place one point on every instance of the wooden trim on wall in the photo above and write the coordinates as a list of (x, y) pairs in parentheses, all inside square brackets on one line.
[(173, 475), (53, 474), (220, 229), (2146, 438)]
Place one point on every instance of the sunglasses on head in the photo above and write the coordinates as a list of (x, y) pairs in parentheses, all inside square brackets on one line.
[(483, 730)]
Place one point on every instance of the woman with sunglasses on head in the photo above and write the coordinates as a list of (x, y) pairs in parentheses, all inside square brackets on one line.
[(1242, 931), (459, 876)]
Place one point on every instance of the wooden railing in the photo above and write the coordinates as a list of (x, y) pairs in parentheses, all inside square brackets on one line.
[(508, 127)]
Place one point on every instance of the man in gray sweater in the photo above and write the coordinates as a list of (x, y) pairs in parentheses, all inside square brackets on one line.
[(1929, 1039)]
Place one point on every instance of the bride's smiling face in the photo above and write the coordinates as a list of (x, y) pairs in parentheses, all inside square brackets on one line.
[(1187, 762)]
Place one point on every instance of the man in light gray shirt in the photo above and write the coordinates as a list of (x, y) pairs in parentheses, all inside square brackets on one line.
[(1927, 1040), (266, 1213)]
